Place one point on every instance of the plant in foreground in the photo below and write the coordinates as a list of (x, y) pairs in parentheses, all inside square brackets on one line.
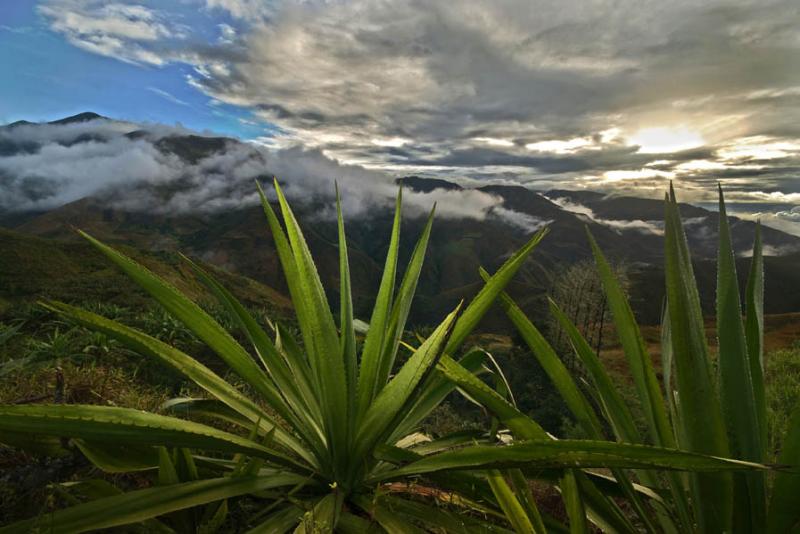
[(325, 438), (723, 415)]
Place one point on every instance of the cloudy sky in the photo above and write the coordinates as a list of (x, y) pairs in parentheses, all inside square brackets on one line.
[(617, 95)]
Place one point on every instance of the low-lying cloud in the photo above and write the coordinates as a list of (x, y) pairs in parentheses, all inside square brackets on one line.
[(143, 168), (645, 227), (523, 221)]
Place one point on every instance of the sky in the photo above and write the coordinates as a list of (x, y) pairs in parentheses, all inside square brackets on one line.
[(612, 95)]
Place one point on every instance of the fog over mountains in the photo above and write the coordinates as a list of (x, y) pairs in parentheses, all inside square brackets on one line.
[(170, 189), (171, 170)]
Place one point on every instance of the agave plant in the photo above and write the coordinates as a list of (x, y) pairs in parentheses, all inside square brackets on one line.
[(722, 415), (322, 434)]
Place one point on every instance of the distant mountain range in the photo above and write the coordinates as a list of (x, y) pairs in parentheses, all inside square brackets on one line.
[(237, 238)]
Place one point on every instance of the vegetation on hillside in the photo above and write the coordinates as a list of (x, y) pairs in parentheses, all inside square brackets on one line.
[(317, 428)]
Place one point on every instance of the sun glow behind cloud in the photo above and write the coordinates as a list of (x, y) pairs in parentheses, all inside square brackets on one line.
[(561, 147), (616, 97), (662, 140), (758, 147)]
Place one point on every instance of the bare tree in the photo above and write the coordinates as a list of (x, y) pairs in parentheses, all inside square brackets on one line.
[(579, 293)]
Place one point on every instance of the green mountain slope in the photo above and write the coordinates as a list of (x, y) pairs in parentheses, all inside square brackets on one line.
[(32, 268)]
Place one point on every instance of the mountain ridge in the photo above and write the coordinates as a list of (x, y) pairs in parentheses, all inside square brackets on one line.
[(237, 239)]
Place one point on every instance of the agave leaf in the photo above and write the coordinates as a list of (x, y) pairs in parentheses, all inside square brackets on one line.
[(107, 424), (522, 490), (293, 355), (167, 474), (433, 391), (118, 457), (369, 384), (676, 483), (397, 392), (280, 521), (191, 408), (553, 366), (347, 333), (667, 368), (736, 385), (323, 517), (471, 488), (700, 411), (639, 362), (200, 323), (289, 267), (321, 340), (186, 365), (573, 502), (38, 444), (402, 304), (567, 454), (353, 524), (386, 517), (442, 518), (522, 426), (601, 510), (212, 522), (140, 505), (478, 307), (512, 508), (450, 441), (754, 331), (298, 393), (94, 489), (614, 408)]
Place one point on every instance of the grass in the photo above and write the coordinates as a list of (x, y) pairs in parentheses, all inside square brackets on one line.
[(782, 374)]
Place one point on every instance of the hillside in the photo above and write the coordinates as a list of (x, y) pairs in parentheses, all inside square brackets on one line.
[(33, 268), (233, 236)]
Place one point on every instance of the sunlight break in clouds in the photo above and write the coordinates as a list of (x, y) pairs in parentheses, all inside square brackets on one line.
[(549, 94), (665, 140)]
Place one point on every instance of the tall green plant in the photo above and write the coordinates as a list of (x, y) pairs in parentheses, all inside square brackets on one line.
[(324, 435), (696, 411)]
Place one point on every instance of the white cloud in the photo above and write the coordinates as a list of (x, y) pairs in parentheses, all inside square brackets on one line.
[(167, 96), (646, 227), (596, 92), (523, 221), (250, 10), (112, 29), (787, 220), (57, 164)]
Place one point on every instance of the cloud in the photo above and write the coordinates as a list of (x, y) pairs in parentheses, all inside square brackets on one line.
[(523, 221), (616, 95), (149, 168), (250, 10), (116, 29), (168, 96), (771, 250), (645, 227), (786, 220)]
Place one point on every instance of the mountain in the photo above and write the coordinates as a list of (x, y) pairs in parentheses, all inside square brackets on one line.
[(33, 268), (426, 185), (701, 225), (235, 238), (86, 116)]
